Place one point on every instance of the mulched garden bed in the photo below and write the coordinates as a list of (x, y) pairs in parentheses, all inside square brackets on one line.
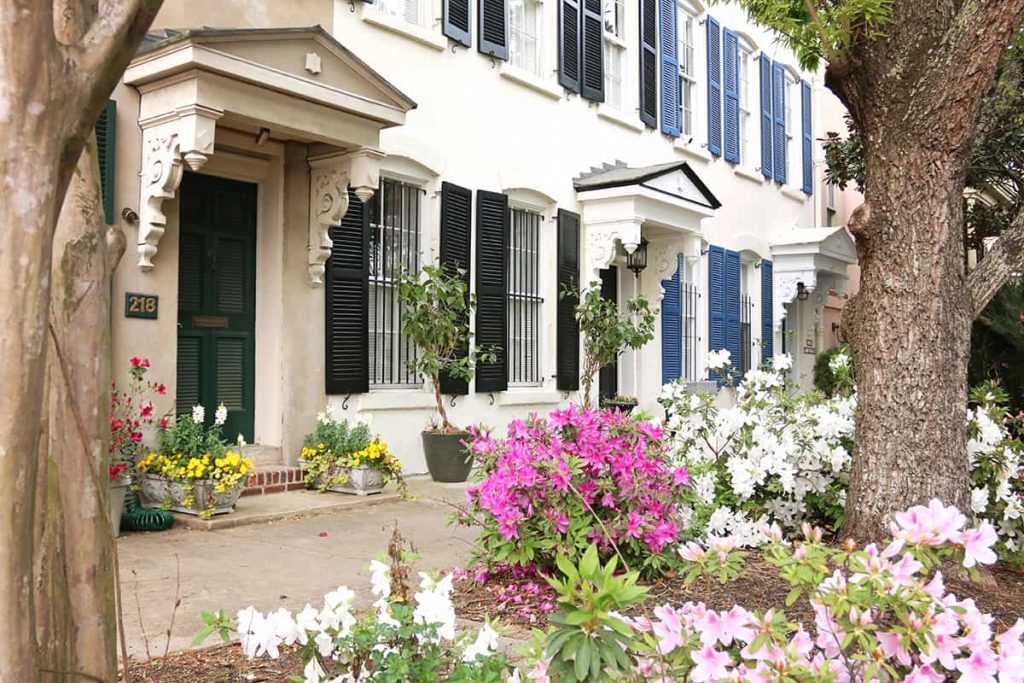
[(522, 603)]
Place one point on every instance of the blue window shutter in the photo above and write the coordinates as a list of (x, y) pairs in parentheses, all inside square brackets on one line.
[(672, 327), (779, 121), (714, 86), (808, 136), (767, 302), (731, 93), (765, 66), (669, 55), (716, 302), (732, 305)]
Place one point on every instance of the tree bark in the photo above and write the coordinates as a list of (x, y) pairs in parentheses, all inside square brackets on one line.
[(909, 325), (1004, 261)]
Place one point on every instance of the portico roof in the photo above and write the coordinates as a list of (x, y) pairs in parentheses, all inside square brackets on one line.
[(813, 257)]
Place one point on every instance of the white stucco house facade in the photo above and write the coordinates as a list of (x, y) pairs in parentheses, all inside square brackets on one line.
[(282, 163)]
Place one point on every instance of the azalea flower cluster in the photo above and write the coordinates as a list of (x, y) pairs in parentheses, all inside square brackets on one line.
[(132, 411), (879, 616), (997, 467), (772, 456), (337, 645), (577, 478)]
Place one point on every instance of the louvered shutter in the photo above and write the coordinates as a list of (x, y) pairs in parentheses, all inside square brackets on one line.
[(346, 292), (456, 235), (492, 226), (568, 329), (569, 44), (767, 303), (714, 86), (493, 28), (808, 137), (731, 96), (106, 137), (779, 121), (592, 56), (716, 302), (732, 305), (649, 63), (765, 66), (672, 327), (455, 21), (668, 32)]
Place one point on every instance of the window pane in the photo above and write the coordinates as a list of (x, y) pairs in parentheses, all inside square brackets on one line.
[(394, 248), (524, 20), (612, 74), (524, 300)]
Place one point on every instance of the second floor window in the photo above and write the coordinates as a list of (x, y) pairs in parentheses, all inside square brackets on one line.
[(614, 52), (793, 154), (747, 152), (687, 71), (525, 28), (409, 11), (524, 298), (830, 204), (394, 248)]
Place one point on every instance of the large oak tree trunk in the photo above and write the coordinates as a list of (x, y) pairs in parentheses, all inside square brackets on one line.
[(915, 96)]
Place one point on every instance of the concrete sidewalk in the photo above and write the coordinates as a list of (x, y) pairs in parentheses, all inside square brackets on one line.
[(284, 563)]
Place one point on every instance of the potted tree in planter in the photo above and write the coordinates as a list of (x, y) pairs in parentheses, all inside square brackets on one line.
[(337, 457), (607, 332), (193, 470), (435, 316), (624, 404)]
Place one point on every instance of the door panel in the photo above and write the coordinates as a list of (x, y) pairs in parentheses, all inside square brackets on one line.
[(217, 300), (608, 376)]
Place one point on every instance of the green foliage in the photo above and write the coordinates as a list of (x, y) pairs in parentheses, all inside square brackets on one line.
[(190, 438), (844, 158), (338, 437), (589, 642), (607, 332), (834, 378), (817, 30), (997, 344), (216, 622)]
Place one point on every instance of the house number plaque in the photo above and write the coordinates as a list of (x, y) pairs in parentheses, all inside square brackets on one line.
[(141, 305)]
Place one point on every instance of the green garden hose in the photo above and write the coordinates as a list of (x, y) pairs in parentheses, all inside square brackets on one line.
[(138, 518)]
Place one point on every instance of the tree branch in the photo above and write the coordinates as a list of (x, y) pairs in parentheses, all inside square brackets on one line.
[(1000, 264)]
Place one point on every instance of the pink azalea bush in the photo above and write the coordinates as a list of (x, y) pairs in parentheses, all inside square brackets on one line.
[(881, 614), (577, 478)]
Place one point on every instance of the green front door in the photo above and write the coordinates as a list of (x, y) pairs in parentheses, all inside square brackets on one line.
[(217, 300)]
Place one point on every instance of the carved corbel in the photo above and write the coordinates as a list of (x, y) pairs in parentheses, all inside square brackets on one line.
[(184, 135), (785, 290), (601, 244), (364, 171), (328, 201), (663, 260)]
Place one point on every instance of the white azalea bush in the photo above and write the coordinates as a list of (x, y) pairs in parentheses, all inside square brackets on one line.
[(400, 639), (774, 456), (880, 614)]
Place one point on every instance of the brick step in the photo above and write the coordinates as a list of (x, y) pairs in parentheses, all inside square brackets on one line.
[(274, 479)]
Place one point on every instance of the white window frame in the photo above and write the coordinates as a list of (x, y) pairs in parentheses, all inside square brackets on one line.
[(412, 12), (688, 83), (749, 155), (539, 351), (519, 36), (613, 23), (793, 153), (691, 322)]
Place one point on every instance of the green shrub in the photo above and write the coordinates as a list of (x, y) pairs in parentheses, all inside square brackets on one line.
[(826, 379)]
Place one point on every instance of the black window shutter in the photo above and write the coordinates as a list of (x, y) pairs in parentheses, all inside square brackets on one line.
[(569, 44), (592, 78), (346, 292), (455, 21), (456, 233), (492, 227), (649, 62), (106, 136), (568, 330), (493, 27)]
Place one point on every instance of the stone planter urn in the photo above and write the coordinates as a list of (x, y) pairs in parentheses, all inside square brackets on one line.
[(191, 498), (115, 502), (621, 406), (360, 481)]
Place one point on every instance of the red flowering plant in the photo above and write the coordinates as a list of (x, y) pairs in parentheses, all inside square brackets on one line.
[(579, 478), (131, 412)]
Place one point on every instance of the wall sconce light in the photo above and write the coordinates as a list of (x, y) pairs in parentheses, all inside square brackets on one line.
[(637, 260), (802, 292), (263, 136)]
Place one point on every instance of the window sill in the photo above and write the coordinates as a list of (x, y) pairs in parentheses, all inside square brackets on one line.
[(395, 399), (692, 149), (752, 176), (531, 81), (418, 33), (795, 195), (618, 117), (524, 396)]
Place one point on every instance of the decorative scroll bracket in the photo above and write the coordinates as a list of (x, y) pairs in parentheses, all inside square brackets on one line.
[(330, 179), (185, 134), (600, 244), (785, 290)]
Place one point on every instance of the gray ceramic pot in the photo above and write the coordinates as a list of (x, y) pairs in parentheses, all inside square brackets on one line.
[(447, 459)]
